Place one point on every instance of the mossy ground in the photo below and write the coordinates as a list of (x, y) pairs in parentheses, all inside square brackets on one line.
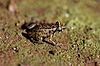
[(81, 38)]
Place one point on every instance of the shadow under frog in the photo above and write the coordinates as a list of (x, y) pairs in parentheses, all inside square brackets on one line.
[(40, 32)]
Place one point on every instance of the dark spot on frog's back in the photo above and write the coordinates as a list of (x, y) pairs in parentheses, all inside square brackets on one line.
[(51, 52)]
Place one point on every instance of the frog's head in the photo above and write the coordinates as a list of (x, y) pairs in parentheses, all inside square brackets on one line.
[(59, 28)]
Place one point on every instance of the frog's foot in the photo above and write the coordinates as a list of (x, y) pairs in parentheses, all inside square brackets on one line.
[(51, 42)]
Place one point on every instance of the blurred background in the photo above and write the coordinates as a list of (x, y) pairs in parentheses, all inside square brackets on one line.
[(81, 38)]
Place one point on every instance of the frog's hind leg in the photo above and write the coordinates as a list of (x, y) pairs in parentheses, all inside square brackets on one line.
[(25, 35)]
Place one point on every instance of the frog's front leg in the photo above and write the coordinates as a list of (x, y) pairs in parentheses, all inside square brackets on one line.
[(49, 41), (57, 45)]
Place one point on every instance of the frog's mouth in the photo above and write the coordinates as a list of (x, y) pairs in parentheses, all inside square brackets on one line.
[(59, 29)]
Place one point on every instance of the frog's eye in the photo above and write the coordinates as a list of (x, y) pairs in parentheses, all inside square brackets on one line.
[(57, 23)]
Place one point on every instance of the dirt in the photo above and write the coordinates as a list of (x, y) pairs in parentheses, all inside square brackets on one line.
[(81, 37)]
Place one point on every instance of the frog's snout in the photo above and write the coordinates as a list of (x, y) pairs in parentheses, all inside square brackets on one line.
[(60, 29)]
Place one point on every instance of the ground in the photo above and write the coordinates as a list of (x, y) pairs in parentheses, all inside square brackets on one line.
[(81, 38)]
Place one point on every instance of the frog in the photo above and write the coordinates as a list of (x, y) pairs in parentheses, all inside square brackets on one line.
[(41, 31)]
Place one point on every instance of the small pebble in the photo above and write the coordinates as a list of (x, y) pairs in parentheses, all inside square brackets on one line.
[(15, 49)]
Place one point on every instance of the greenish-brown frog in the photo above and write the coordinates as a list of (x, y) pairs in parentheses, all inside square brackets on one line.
[(41, 31)]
